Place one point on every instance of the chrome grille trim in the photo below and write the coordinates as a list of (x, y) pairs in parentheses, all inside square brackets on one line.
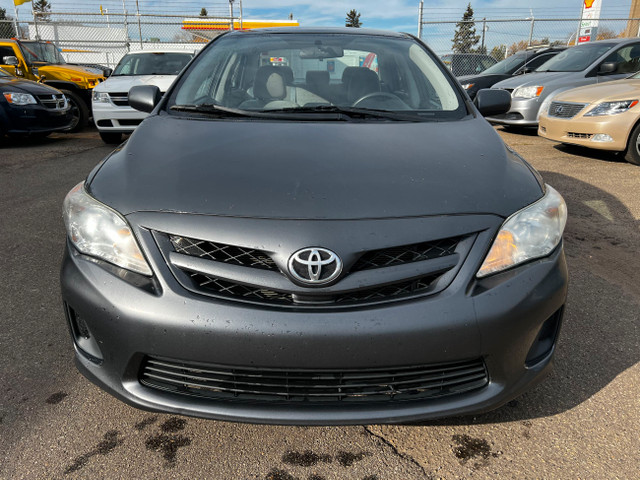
[(565, 109)]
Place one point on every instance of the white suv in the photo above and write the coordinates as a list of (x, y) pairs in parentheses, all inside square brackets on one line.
[(111, 111)]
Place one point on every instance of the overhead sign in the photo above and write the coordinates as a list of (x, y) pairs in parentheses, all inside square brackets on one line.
[(589, 20)]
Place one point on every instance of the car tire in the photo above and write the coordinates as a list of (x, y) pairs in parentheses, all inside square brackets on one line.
[(111, 138), (632, 154), (79, 111)]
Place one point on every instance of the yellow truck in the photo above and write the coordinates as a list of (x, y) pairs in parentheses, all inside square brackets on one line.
[(41, 61)]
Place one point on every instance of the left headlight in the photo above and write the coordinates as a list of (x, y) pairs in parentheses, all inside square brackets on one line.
[(19, 98), (528, 92), (101, 97), (98, 231), (533, 232), (467, 86), (611, 108)]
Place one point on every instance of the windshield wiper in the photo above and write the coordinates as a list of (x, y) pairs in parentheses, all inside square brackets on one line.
[(211, 109), (353, 112)]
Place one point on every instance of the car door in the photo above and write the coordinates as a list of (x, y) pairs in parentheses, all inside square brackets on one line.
[(627, 60)]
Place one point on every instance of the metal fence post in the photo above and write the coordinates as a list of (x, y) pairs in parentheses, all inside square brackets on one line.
[(533, 20), (420, 13)]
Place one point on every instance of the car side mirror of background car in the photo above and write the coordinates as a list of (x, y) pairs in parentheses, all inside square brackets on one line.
[(607, 67), (526, 70), (490, 101), (144, 97), (10, 60)]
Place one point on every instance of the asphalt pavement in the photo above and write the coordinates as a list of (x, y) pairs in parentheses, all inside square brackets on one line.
[(582, 422)]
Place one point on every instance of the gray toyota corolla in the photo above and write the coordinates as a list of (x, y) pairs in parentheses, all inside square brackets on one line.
[(314, 227)]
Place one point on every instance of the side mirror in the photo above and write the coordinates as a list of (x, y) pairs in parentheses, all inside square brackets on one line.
[(10, 60), (490, 101), (144, 97), (526, 70), (607, 67)]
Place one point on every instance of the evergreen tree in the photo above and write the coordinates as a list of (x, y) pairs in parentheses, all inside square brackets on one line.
[(7, 29), (353, 19), (203, 12), (42, 9), (465, 37)]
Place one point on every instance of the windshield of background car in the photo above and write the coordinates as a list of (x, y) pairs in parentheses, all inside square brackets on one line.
[(152, 64), (576, 59), (270, 72), (41, 52), (507, 65)]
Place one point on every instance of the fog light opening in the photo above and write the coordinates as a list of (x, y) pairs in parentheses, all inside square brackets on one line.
[(601, 137), (82, 336), (545, 340)]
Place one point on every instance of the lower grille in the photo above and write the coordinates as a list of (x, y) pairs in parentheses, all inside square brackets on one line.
[(585, 136), (269, 385)]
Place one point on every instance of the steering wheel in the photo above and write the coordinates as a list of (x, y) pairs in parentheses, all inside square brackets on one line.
[(387, 99)]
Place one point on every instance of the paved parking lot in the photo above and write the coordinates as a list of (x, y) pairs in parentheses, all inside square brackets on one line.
[(582, 422)]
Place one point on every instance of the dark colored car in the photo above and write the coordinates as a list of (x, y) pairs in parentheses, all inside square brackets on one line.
[(288, 238), (525, 61), (467, 63), (31, 108)]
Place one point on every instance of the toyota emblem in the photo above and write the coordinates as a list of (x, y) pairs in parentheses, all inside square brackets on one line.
[(315, 266)]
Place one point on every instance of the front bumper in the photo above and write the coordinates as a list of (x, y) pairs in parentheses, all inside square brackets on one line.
[(580, 130), (498, 319), (35, 119), (117, 119), (523, 113)]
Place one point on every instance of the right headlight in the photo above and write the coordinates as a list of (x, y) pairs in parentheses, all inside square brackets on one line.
[(100, 97), (528, 92), (99, 231), (533, 232)]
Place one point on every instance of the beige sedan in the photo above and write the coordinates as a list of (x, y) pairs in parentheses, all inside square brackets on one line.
[(605, 116)]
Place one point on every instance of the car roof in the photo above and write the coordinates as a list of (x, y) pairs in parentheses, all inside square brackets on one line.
[(161, 50), (321, 30)]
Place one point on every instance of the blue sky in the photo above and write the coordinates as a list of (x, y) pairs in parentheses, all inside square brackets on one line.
[(397, 15)]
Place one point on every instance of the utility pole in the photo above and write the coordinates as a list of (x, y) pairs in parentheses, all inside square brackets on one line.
[(633, 25)]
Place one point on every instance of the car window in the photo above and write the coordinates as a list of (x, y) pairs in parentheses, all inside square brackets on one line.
[(539, 60), (152, 64), (576, 59), (627, 59), (288, 71), (6, 52), (508, 64)]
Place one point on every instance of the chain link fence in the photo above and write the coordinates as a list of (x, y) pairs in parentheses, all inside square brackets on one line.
[(501, 38)]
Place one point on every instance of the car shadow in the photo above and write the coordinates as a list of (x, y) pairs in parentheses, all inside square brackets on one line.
[(600, 336), (578, 151)]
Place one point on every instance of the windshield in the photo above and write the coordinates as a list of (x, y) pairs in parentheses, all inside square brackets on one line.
[(152, 63), (576, 59), (301, 73), (509, 64), (41, 52)]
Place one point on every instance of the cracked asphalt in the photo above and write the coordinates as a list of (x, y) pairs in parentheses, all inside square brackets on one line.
[(582, 422)]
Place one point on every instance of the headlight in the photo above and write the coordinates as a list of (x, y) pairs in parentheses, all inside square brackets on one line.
[(611, 108), (467, 86), (19, 98), (97, 230), (100, 97), (528, 92), (533, 232)]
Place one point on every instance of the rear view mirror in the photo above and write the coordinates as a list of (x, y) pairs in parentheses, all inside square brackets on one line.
[(10, 60), (144, 97), (490, 101), (321, 51), (607, 67)]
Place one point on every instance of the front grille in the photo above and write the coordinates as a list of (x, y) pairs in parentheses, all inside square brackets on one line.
[(584, 136), (565, 110), (301, 385), (120, 99), (406, 254), (55, 101), (237, 290), (220, 252)]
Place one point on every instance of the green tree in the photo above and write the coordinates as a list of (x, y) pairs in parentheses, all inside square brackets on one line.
[(203, 12), (497, 52), (465, 38), (7, 29), (353, 19), (42, 9)]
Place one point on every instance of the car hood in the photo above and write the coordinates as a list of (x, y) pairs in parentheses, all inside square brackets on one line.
[(627, 89), (124, 83), (55, 70), (18, 84), (314, 170), (537, 78)]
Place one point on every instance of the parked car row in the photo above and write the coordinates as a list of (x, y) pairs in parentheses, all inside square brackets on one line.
[(585, 95)]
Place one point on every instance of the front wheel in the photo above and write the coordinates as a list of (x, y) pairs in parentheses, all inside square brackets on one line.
[(79, 112), (112, 138), (632, 154)]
